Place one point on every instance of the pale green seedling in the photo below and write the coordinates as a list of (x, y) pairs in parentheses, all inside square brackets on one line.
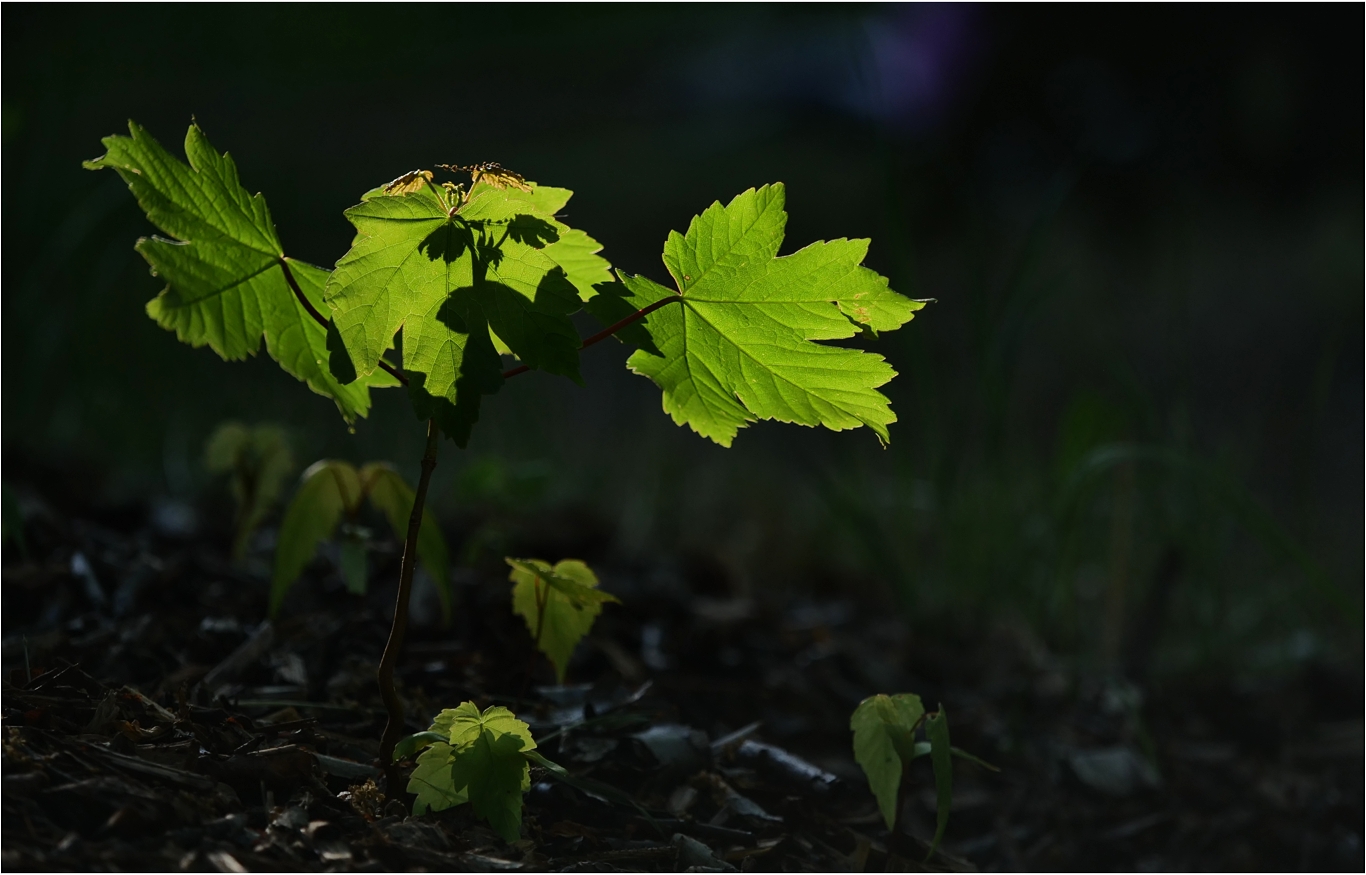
[(559, 605)]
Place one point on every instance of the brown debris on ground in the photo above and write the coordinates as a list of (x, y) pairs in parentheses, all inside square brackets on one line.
[(154, 721)]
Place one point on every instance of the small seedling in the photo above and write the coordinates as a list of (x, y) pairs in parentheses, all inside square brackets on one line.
[(257, 461), (330, 497), (472, 272), (559, 605), (477, 758), (484, 758), (885, 745)]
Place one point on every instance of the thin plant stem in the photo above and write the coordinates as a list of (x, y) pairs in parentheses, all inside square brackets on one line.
[(393, 729), (606, 332), (324, 321)]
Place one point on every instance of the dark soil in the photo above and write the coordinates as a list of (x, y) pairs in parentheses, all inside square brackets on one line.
[(154, 721)]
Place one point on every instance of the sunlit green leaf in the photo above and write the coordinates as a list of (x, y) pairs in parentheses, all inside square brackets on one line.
[(450, 274), (483, 764), (431, 780), (577, 254), (739, 342), (224, 267)]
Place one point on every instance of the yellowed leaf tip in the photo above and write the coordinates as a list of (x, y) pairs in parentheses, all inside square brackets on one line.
[(409, 182), (491, 173)]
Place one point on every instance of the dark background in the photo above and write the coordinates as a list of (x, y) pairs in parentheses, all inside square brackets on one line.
[(1133, 420)]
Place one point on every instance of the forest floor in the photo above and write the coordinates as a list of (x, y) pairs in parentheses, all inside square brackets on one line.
[(154, 720)]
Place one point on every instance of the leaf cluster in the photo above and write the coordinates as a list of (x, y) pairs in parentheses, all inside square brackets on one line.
[(458, 276), (474, 757), (332, 493), (464, 276)]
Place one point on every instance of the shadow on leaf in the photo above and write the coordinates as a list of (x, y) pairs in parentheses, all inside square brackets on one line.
[(479, 371), (338, 359), (533, 232), (447, 243), (610, 305)]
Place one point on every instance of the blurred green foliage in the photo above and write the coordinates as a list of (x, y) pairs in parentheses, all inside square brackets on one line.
[(257, 461), (328, 503)]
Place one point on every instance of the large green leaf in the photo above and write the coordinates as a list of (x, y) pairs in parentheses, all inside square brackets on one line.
[(739, 344), (329, 489), (225, 267), (559, 604), (884, 743), (483, 763), (389, 492), (452, 274)]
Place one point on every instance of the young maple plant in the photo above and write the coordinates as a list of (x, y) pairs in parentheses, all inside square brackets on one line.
[(471, 272)]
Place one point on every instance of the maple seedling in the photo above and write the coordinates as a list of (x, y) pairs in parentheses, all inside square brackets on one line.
[(470, 273), (485, 758), (331, 495), (885, 744), (559, 605), (469, 756)]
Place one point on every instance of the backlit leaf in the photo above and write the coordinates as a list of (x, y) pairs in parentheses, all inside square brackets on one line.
[(431, 780), (483, 763), (224, 267), (450, 274), (577, 254), (559, 604), (740, 342), (409, 182), (494, 174)]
